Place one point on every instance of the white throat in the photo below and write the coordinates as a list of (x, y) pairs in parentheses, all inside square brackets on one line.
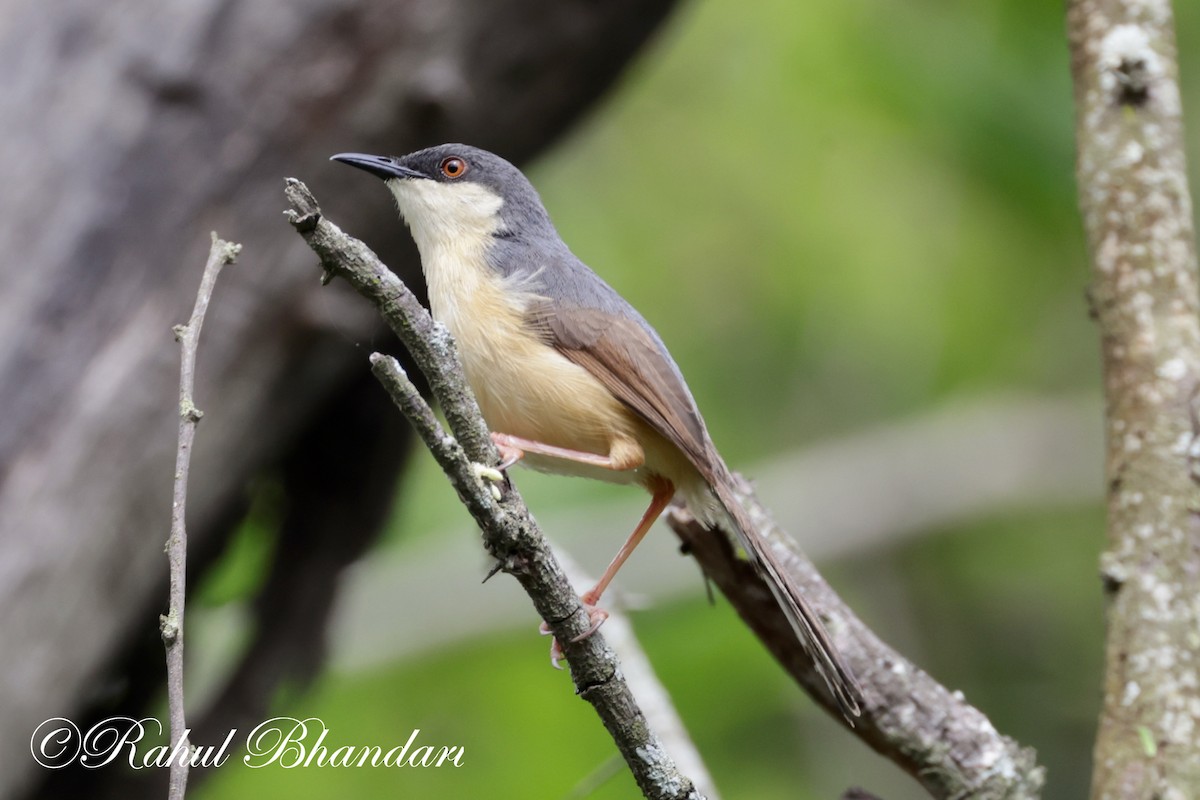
[(452, 225), (447, 215)]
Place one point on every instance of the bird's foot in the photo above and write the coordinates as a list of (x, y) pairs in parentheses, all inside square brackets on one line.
[(596, 614), (489, 476), (510, 453), (596, 617)]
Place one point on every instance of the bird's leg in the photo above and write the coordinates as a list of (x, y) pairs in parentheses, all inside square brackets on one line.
[(513, 449), (624, 454), (663, 490)]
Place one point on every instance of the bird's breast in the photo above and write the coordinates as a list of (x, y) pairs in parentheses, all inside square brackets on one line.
[(524, 386)]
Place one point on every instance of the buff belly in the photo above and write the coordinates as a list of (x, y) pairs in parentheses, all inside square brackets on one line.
[(528, 389), (525, 387)]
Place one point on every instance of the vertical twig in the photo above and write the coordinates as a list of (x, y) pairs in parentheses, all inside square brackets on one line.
[(171, 624), (1137, 211)]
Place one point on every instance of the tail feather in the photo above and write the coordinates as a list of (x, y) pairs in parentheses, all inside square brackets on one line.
[(809, 630)]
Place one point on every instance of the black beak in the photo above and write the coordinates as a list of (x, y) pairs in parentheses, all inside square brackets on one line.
[(379, 166)]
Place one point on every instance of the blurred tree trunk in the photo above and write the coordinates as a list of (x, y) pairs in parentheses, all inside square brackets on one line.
[(1138, 215), (131, 131)]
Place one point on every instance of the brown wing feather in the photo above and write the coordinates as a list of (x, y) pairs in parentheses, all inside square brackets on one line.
[(632, 365)]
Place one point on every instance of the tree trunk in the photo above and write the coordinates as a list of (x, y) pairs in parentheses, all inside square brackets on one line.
[(1138, 215), (131, 131)]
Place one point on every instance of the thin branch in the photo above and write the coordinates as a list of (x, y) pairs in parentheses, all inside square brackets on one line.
[(171, 623), (431, 346), (1137, 212)]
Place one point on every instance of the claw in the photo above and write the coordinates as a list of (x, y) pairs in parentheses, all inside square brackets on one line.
[(556, 653), (483, 471), (509, 452), (596, 616)]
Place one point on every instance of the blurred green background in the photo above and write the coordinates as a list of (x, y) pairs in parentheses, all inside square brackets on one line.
[(838, 215)]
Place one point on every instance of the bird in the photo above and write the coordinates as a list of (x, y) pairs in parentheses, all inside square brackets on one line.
[(570, 378)]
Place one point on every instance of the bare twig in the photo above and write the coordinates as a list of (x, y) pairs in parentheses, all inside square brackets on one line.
[(171, 623), (1138, 214)]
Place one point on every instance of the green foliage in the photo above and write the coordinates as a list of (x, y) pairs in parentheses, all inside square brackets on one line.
[(1010, 611), (241, 569), (847, 210)]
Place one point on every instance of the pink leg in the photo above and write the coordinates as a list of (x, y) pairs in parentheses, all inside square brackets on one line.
[(513, 449), (663, 490)]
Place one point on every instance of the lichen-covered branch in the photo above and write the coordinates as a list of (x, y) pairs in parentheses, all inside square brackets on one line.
[(509, 532), (171, 623), (932, 733), (1137, 212)]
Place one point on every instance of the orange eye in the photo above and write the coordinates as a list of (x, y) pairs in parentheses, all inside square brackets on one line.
[(453, 167)]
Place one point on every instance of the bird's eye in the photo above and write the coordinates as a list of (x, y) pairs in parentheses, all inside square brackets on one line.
[(453, 167)]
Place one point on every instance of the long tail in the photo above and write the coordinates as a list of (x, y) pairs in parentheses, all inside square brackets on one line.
[(809, 630)]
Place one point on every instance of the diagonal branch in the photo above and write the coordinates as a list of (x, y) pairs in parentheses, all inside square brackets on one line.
[(654, 698), (171, 624), (949, 746), (929, 731), (509, 532)]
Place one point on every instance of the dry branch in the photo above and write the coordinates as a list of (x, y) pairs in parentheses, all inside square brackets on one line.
[(1137, 211), (171, 623), (930, 731)]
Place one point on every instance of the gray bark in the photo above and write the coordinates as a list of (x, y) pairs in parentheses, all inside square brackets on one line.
[(1137, 212)]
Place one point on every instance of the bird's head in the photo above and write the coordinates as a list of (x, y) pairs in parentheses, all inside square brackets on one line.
[(454, 191)]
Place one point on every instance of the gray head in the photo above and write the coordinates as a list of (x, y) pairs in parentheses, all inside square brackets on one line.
[(468, 206), (455, 191)]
